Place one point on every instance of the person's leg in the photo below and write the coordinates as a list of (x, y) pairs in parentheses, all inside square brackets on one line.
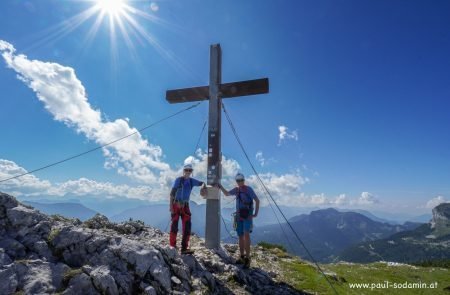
[(174, 226), (186, 219), (240, 232), (242, 245), (247, 243)]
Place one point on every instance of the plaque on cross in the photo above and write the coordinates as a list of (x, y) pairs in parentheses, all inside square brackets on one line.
[(214, 93)]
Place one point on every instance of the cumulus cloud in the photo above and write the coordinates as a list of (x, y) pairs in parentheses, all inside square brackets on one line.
[(24, 185), (285, 134), (64, 96), (366, 198), (300, 199), (30, 185), (341, 200), (282, 187), (436, 201), (285, 188)]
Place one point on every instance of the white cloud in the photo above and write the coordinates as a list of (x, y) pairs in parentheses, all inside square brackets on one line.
[(285, 188), (260, 158), (282, 187), (366, 198), (300, 199), (436, 201), (64, 96), (24, 185), (341, 200), (285, 134), (30, 185)]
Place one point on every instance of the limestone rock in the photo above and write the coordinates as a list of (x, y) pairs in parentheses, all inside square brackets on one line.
[(8, 280), (23, 216), (103, 281), (4, 258), (81, 284)]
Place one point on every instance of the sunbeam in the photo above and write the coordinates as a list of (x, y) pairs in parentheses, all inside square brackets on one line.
[(126, 24)]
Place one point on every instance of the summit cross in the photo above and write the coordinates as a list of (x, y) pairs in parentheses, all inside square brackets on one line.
[(214, 93)]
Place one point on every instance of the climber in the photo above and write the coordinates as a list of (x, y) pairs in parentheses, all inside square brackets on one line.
[(179, 206), (245, 196)]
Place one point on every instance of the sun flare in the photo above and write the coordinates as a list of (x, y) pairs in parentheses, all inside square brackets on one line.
[(111, 7)]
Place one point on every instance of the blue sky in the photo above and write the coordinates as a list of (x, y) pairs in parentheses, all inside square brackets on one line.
[(362, 87)]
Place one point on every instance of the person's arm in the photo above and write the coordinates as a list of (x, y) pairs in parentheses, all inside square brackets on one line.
[(224, 191), (256, 199), (198, 183)]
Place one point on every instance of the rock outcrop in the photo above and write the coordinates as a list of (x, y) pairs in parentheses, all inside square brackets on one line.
[(441, 216), (42, 254)]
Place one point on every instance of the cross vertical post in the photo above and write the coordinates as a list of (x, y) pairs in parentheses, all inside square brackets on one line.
[(215, 92), (212, 226)]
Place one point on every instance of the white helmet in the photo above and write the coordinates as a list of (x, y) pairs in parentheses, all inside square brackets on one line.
[(188, 166), (239, 176)]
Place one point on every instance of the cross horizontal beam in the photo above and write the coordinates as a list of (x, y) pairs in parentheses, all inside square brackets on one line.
[(227, 90)]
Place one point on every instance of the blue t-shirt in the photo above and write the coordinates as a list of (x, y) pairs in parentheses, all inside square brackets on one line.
[(184, 188), (244, 197)]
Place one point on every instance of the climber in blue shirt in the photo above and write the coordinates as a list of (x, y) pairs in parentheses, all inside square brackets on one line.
[(245, 196)]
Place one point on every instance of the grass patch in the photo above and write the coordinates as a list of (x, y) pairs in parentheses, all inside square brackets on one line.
[(277, 250), (54, 232), (306, 277), (59, 217), (269, 246)]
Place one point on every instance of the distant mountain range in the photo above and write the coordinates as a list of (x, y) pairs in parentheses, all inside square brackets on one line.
[(106, 206), (327, 232), (72, 210), (429, 241)]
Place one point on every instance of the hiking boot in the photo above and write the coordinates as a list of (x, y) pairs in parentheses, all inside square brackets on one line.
[(246, 262), (187, 251), (241, 260)]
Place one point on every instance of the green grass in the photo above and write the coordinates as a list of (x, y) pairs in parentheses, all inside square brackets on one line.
[(277, 250), (270, 246), (54, 232), (306, 277)]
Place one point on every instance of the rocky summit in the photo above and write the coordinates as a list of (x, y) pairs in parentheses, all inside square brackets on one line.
[(41, 254)]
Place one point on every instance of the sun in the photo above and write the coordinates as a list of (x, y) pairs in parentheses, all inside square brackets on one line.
[(111, 7), (123, 19)]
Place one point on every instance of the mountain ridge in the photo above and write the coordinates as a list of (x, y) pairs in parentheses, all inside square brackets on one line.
[(430, 241), (327, 232)]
